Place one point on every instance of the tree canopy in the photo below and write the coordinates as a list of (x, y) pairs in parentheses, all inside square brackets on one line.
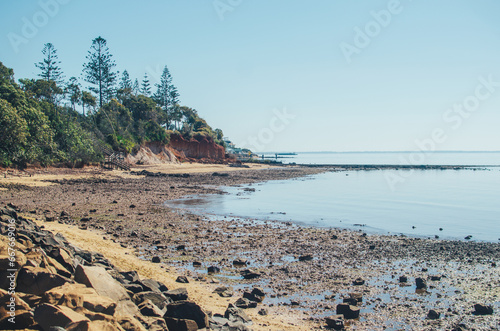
[(35, 128), (98, 71)]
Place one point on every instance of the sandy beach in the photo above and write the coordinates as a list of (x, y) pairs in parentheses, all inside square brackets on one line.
[(306, 272)]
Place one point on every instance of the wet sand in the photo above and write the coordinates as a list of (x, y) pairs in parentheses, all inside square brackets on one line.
[(304, 271)]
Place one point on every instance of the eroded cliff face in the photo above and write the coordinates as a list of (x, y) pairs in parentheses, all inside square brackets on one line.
[(198, 149), (152, 153)]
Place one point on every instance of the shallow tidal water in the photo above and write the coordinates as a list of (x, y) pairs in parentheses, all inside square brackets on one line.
[(451, 204)]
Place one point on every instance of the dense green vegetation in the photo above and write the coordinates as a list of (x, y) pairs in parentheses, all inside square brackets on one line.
[(40, 124)]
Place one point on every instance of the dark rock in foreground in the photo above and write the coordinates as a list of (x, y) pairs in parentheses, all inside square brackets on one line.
[(480, 309), (348, 311), (336, 322), (187, 310)]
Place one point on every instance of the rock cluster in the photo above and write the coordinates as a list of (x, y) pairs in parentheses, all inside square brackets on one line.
[(48, 283)]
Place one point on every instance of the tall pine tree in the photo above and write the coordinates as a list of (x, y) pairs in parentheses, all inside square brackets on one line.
[(50, 65), (98, 71), (125, 82), (167, 98), (135, 87), (146, 86)]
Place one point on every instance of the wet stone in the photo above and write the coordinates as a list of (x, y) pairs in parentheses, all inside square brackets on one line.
[(433, 315), (182, 279), (480, 309), (358, 282), (420, 283), (349, 311), (335, 322)]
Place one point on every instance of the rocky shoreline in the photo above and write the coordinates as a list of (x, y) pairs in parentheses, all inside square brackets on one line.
[(340, 278), (47, 282)]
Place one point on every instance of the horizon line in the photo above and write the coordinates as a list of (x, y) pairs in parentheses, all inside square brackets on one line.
[(417, 151)]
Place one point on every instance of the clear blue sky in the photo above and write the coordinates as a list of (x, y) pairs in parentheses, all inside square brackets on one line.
[(238, 62)]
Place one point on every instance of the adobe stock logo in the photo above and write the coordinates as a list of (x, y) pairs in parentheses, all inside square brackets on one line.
[(364, 36), (30, 26), (453, 119), (278, 123), (223, 6)]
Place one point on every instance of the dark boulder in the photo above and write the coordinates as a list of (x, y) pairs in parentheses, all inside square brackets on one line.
[(245, 303), (252, 297), (224, 291), (182, 279), (480, 309), (358, 282), (349, 312), (178, 324), (158, 299), (213, 270), (178, 294), (234, 314), (130, 276), (433, 315), (240, 262), (187, 310), (147, 308), (420, 283), (35, 280), (307, 257), (335, 322), (249, 274)]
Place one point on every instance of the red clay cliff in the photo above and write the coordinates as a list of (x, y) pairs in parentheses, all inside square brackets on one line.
[(199, 148)]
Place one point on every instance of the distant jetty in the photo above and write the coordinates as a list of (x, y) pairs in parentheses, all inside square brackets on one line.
[(277, 155)]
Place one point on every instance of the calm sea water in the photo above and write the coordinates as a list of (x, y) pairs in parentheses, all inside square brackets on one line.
[(418, 203), (414, 158)]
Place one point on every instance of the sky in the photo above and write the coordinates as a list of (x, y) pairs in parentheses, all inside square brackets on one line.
[(293, 75)]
